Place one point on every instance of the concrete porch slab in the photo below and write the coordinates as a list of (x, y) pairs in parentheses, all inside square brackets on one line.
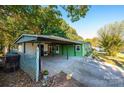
[(86, 70), (56, 64)]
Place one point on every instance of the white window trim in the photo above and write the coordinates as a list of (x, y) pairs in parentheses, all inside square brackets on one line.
[(76, 48), (57, 51)]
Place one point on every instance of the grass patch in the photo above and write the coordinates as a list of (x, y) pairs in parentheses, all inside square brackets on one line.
[(118, 60)]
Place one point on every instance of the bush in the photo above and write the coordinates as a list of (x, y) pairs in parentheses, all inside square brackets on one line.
[(45, 72)]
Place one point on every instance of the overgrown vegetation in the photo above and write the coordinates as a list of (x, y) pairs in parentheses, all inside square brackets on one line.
[(111, 38), (17, 20), (93, 41)]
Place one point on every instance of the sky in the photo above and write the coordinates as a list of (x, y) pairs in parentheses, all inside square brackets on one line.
[(96, 17)]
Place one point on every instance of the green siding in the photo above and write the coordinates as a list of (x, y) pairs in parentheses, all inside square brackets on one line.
[(64, 50), (60, 49), (79, 53), (72, 51), (86, 50)]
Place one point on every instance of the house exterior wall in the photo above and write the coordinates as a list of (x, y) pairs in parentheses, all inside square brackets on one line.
[(28, 64), (79, 53), (45, 47), (21, 47), (71, 50), (84, 50), (28, 60), (30, 48), (87, 50)]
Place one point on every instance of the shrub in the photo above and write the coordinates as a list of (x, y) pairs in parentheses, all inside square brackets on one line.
[(45, 72)]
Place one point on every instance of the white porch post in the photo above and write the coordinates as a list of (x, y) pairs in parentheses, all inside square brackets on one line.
[(37, 63)]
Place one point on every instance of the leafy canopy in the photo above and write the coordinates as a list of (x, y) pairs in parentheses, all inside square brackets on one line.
[(111, 38), (17, 20), (93, 41)]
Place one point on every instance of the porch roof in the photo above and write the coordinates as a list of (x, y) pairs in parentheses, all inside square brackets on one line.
[(44, 38)]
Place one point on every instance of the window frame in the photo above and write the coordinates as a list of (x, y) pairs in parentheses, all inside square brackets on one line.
[(76, 48), (57, 49)]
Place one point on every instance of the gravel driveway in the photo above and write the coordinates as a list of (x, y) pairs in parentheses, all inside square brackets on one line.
[(86, 70)]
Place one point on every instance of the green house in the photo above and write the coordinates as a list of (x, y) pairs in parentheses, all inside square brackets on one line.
[(33, 47)]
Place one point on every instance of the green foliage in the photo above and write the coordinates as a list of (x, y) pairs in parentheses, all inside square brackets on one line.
[(45, 72), (17, 20), (93, 41), (111, 38), (95, 54), (75, 12)]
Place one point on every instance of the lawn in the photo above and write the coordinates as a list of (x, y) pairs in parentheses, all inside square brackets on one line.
[(117, 60)]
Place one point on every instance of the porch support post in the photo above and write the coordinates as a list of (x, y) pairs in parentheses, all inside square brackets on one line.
[(67, 51), (24, 48), (74, 50), (39, 58), (62, 50), (37, 63), (81, 50)]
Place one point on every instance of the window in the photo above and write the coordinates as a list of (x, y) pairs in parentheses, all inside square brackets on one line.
[(57, 49), (78, 48)]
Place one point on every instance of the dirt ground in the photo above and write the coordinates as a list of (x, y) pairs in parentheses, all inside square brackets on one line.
[(21, 79)]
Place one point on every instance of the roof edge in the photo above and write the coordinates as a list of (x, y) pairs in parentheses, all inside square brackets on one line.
[(45, 36)]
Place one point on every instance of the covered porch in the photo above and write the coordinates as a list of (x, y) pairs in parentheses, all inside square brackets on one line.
[(56, 64), (37, 50)]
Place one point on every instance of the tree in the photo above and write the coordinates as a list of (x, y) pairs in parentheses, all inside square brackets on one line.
[(17, 20), (75, 12), (93, 41), (111, 38)]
